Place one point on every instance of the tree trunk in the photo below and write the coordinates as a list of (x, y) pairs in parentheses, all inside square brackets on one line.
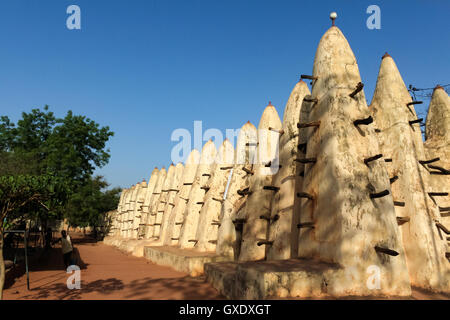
[(2, 266), (43, 232)]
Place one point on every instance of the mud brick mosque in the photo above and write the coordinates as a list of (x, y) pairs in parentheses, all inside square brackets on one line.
[(356, 186)]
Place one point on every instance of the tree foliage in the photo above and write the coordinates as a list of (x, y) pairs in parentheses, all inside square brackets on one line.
[(88, 205), (24, 194), (40, 144), (46, 167), (70, 147)]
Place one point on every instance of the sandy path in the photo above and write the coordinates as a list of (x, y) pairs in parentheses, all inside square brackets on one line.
[(107, 273)]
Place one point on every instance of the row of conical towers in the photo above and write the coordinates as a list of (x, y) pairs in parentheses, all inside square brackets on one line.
[(336, 181)]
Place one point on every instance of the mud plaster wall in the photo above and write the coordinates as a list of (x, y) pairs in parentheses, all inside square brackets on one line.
[(259, 201), (246, 147), (348, 224), (176, 216), (196, 196), (402, 142), (283, 229)]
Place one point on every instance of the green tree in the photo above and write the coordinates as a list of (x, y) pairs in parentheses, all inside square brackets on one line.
[(91, 202), (24, 194), (70, 147), (40, 157)]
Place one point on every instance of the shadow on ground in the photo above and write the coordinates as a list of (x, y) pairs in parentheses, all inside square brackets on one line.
[(185, 288), (45, 260), (59, 291), (147, 288)]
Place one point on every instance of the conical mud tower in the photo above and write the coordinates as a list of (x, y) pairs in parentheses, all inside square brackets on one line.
[(124, 213), (353, 204), (174, 188), (257, 208), (146, 205), (156, 208), (165, 204), (154, 202), (283, 231), (437, 145), (162, 202), (350, 212), (118, 219), (196, 196), (120, 213), (209, 222), (133, 210), (237, 192), (140, 196), (401, 142), (181, 199), (130, 209)]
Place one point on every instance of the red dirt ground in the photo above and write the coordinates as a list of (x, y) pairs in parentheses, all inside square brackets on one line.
[(106, 273)]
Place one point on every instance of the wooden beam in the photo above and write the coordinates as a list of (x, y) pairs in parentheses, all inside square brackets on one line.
[(306, 225), (370, 159), (365, 121), (402, 220), (264, 242), (429, 161), (305, 195), (308, 124), (379, 194), (386, 251), (359, 87)]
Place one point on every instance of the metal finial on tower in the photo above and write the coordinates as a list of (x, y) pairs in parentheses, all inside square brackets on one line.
[(385, 55), (270, 103), (333, 17)]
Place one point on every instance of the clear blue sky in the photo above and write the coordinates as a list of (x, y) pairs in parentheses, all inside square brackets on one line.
[(145, 68)]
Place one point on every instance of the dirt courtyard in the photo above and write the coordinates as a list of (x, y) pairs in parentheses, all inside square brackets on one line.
[(109, 274), (106, 273)]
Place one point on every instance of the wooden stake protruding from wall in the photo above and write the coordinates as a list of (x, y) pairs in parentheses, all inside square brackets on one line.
[(305, 195), (365, 121), (306, 225), (264, 242), (442, 227), (244, 192), (402, 220), (386, 251), (424, 162), (370, 159), (413, 103), (306, 160), (304, 76), (302, 147), (315, 100), (358, 89), (393, 179), (308, 124), (411, 122), (441, 170), (272, 188), (379, 194)]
